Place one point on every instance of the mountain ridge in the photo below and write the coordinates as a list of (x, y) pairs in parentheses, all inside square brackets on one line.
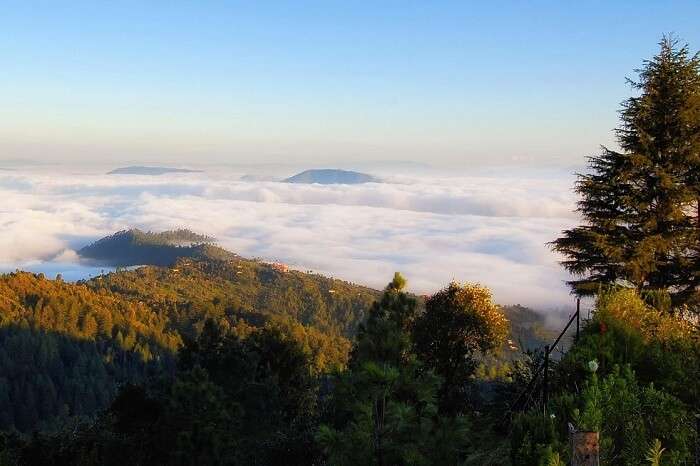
[(331, 176)]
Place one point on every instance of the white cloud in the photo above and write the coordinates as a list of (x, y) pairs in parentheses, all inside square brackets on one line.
[(472, 228)]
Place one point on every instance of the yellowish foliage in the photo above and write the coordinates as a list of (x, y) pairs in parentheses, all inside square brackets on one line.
[(627, 306), (479, 300)]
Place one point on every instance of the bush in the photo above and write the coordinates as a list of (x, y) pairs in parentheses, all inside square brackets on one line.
[(625, 330)]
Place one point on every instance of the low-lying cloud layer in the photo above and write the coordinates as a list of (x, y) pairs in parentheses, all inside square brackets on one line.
[(491, 230)]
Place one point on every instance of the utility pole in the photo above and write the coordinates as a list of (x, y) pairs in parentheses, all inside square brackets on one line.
[(545, 382), (697, 426), (578, 317)]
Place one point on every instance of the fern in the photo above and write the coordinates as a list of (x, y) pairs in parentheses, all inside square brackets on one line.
[(555, 460), (654, 453)]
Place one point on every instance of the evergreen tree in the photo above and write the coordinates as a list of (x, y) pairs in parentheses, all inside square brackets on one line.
[(459, 325), (267, 388), (641, 205), (384, 408), (385, 336)]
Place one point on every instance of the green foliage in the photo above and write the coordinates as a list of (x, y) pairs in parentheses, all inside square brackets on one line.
[(393, 419), (634, 415), (460, 323), (232, 401), (533, 438), (265, 386), (136, 247), (384, 337), (384, 408), (64, 349), (590, 417), (660, 348), (627, 415), (641, 206), (655, 452), (555, 460), (644, 386), (240, 290)]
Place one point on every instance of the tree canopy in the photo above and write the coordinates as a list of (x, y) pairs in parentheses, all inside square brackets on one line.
[(640, 205)]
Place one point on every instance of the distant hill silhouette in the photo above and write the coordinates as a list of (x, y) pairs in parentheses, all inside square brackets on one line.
[(331, 176), (152, 171), (136, 247)]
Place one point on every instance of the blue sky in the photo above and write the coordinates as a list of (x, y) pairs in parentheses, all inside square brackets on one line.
[(447, 83)]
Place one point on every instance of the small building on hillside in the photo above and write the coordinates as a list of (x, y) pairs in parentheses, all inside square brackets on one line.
[(280, 267)]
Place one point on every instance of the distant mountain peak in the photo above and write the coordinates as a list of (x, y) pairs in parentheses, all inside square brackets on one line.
[(331, 176)]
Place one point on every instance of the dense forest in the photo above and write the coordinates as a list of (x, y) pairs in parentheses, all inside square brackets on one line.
[(219, 360), (64, 349), (136, 247), (242, 289), (79, 342)]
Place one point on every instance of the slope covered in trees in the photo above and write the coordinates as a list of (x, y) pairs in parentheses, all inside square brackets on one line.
[(241, 290), (221, 285), (79, 342), (136, 247), (259, 398), (239, 293), (65, 348)]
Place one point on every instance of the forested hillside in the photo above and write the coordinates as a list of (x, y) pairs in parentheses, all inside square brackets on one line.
[(65, 348), (136, 247), (238, 290), (240, 295), (528, 328)]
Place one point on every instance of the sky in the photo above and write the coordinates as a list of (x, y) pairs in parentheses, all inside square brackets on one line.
[(452, 84)]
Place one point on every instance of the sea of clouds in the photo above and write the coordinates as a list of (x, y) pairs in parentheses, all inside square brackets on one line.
[(490, 228)]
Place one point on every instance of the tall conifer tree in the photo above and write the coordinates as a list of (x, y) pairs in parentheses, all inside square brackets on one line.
[(641, 205)]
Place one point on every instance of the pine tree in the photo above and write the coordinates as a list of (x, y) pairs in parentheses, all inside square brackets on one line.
[(385, 337), (385, 406), (641, 205)]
